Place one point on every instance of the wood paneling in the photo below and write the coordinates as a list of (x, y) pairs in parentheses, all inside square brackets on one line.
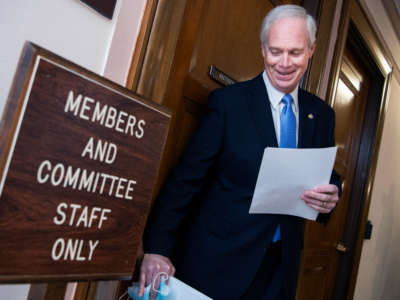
[(141, 45), (318, 65), (160, 51), (51, 291)]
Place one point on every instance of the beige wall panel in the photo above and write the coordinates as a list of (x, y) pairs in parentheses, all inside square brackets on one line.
[(379, 268), (380, 263)]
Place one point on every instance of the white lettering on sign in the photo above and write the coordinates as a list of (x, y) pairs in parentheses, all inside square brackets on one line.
[(103, 151), (80, 216), (77, 178), (82, 179), (73, 249), (108, 116)]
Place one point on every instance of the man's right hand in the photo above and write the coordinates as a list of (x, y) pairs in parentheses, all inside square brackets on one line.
[(153, 264)]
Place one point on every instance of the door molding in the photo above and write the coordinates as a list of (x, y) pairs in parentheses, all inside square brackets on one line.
[(142, 42), (354, 18)]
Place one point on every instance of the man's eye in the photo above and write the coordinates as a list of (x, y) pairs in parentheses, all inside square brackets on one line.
[(275, 52), (296, 53)]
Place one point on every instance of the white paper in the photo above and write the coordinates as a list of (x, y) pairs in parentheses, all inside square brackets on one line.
[(284, 175), (182, 291)]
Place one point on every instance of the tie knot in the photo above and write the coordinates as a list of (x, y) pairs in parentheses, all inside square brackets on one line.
[(287, 99)]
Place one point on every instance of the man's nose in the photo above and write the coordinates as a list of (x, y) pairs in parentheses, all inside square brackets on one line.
[(285, 60)]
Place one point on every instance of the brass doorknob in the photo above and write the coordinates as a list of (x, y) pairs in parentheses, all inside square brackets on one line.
[(341, 248)]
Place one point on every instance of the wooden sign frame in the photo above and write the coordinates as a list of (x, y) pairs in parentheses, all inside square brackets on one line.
[(104, 7), (79, 160)]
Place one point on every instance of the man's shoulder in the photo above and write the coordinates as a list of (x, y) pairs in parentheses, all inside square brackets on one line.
[(315, 101), (238, 89)]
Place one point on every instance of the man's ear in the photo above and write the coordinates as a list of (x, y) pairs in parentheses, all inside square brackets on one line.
[(263, 50)]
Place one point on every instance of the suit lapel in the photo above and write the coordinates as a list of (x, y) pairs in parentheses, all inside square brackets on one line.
[(260, 111), (261, 114), (307, 119)]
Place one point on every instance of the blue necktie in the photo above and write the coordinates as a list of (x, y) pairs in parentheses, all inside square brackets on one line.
[(287, 137), (288, 124)]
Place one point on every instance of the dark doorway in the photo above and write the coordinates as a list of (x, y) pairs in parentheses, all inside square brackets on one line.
[(356, 45)]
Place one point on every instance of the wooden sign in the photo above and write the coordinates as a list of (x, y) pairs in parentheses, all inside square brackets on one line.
[(79, 160)]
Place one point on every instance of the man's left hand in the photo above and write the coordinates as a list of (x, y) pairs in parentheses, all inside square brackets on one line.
[(323, 198)]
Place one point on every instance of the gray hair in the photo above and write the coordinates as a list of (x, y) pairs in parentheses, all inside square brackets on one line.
[(287, 11)]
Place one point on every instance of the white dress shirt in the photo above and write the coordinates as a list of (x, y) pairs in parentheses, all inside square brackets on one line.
[(277, 105)]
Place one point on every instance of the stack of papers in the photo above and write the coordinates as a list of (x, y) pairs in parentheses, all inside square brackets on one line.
[(285, 174), (181, 291)]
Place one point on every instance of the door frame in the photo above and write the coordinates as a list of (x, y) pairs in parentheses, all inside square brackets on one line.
[(352, 13)]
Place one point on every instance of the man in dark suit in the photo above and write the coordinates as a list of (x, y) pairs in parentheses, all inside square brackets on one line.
[(201, 224)]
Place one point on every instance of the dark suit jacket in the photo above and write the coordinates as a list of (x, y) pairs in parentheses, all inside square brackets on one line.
[(201, 218)]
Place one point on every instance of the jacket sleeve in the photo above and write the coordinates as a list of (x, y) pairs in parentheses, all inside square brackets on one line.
[(176, 198)]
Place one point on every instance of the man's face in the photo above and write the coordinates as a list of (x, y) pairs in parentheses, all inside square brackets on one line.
[(286, 52)]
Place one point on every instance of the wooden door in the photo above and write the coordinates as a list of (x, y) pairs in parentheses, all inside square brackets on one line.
[(324, 243), (222, 33), (187, 37)]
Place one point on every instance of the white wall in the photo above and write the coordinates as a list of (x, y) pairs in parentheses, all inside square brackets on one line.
[(124, 40), (75, 32), (379, 270), (66, 27)]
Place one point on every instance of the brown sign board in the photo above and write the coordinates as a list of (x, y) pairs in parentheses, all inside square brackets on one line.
[(79, 160)]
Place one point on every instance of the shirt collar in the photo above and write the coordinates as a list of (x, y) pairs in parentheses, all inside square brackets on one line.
[(275, 96)]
